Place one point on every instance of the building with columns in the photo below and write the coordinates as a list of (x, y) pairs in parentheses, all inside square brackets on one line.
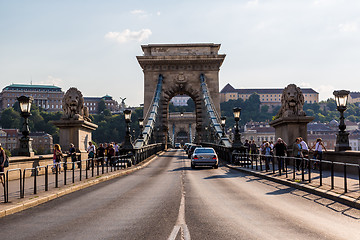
[(47, 97)]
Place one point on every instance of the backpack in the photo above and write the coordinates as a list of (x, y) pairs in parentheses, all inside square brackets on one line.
[(6, 162)]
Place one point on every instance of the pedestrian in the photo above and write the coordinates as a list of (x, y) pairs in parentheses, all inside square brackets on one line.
[(247, 146), (116, 147), (100, 154), (111, 155), (253, 147), (2, 163), (57, 155), (91, 150), (268, 153), (72, 153), (271, 143), (305, 148), (297, 153), (319, 147), (280, 148)]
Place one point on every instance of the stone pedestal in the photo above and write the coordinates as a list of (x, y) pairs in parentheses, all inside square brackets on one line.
[(290, 128), (26, 147), (78, 132)]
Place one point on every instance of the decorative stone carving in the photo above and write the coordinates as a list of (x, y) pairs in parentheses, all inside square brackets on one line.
[(73, 106), (292, 102)]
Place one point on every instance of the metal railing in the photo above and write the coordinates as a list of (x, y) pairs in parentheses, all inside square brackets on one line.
[(78, 169), (291, 165)]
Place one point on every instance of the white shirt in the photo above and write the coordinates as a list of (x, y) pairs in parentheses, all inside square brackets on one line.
[(318, 147), (304, 146), (91, 149)]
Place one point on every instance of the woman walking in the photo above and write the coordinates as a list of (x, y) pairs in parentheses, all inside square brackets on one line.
[(57, 157)]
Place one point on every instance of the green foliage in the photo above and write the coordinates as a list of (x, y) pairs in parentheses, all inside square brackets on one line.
[(39, 121), (112, 128), (10, 119), (252, 110), (101, 106)]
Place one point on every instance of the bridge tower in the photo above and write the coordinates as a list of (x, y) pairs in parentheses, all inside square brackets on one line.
[(181, 66)]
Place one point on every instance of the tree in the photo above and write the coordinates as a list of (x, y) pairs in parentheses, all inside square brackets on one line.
[(10, 119), (101, 106)]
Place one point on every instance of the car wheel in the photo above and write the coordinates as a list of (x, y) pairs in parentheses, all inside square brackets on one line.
[(216, 166)]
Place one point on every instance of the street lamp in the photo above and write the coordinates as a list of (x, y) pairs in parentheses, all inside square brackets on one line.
[(237, 140), (342, 138), (25, 141), (223, 121), (141, 125), (206, 133), (127, 143)]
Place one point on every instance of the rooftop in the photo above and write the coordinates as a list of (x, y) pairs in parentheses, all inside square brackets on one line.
[(30, 86), (230, 89)]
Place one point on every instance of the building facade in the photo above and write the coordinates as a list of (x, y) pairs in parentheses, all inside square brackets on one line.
[(180, 100), (47, 97), (259, 132), (354, 97), (92, 103), (267, 96), (42, 142)]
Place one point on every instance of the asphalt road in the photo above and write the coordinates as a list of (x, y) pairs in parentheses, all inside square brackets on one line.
[(169, 200)]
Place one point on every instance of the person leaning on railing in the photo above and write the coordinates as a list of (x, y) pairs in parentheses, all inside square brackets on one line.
[(319, 147)]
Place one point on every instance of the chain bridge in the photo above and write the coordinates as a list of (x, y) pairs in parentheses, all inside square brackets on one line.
[(181, 69)]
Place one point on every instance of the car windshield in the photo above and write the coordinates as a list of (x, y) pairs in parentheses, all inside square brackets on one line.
[(204, 150)]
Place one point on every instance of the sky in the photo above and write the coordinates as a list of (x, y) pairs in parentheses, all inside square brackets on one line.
[(93, 44)]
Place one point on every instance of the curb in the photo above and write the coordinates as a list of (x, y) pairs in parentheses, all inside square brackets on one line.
[(101, 178), (349, 201)]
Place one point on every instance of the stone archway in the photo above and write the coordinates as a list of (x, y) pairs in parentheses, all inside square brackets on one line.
[(181, 66)]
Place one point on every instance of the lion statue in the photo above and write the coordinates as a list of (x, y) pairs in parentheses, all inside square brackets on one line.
[(292, 102), (73, 105)]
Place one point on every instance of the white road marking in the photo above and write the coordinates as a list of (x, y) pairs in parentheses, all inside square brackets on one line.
[(180, 222)]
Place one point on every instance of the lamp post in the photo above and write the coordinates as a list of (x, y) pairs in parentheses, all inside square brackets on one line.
[(223, 121), (25, 141), (127, 143), (141, 126), (342, 138), (206, 134), (237, 139)]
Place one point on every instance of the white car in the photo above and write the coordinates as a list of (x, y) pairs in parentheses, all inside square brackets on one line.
[(204, 156)]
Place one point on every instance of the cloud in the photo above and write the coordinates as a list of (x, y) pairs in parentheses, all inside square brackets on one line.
[(51, 80), (137, 11), (305, 85), (325, 91), (158, 13), (129, 36), (252, 3), (348, 27)]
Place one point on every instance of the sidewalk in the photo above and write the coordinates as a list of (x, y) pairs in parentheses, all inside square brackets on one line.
[(350, 198), (30, 199)]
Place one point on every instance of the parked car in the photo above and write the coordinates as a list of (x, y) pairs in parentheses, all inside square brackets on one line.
[(188, 148), (191, 150), (186, 145), (204, 156), (177, 145)]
